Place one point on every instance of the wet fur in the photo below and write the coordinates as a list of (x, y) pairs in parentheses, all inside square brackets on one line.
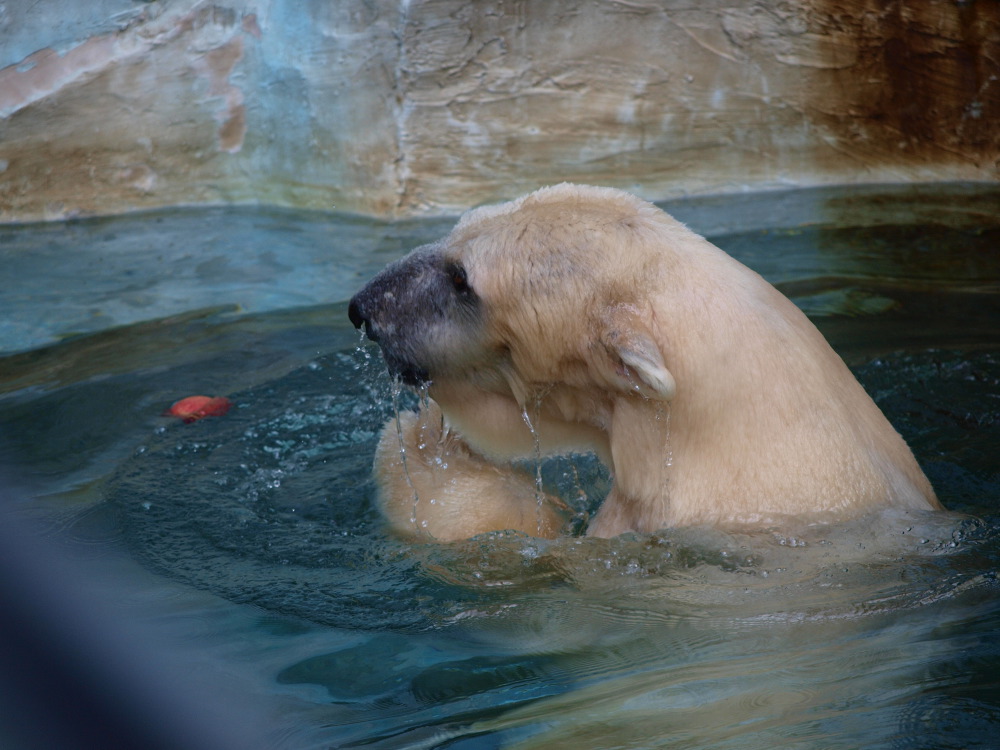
[(710, 396), (436, 486)]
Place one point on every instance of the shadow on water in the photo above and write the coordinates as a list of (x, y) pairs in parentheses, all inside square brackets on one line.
[(882, 632)]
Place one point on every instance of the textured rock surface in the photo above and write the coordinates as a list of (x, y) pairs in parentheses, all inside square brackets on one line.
[(391, 107)]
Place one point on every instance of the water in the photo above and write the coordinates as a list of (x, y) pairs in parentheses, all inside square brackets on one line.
[(245, 550)]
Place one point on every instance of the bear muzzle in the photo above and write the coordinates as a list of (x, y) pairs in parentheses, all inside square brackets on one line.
[(359, 319), (399, 366), (423, 313)]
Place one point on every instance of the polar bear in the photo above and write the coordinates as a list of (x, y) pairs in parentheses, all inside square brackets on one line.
[(583, 319)]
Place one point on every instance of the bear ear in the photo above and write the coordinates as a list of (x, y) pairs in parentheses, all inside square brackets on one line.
[(643, 357), (637, 363)]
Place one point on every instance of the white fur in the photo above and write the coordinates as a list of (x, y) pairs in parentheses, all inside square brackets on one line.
[(711, 397)]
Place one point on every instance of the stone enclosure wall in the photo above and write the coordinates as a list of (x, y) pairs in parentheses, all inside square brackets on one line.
[(401, 107)]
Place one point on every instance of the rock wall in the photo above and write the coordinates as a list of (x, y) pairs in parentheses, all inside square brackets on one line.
[(394, 107)]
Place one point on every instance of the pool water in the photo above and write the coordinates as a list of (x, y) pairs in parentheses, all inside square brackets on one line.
[(246, 549)]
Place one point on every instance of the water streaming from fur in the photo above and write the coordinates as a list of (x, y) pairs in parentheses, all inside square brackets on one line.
[(663, 419), (427, 432), (397, 389), (424, 404), (581, 516), (531, 420)]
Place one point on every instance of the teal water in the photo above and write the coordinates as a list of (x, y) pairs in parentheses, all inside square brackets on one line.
[(246, 550)]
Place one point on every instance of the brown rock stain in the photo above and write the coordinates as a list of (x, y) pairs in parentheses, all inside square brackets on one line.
[(45, 71), (404, 108), (926, 83), (216, 66)]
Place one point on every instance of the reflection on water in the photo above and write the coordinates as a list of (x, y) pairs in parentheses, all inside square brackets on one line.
[(258, 532)]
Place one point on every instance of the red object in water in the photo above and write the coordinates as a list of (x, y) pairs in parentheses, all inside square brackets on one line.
[(193, 408)]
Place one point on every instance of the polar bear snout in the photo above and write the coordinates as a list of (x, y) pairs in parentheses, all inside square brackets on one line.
[(397, 358), (374, 308), (359, 319), (423, 314)]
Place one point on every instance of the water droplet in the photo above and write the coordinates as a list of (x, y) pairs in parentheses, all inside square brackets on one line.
[(531, 420), (396, 390)]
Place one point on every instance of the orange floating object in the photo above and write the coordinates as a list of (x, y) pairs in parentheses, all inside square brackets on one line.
[(193, 408)]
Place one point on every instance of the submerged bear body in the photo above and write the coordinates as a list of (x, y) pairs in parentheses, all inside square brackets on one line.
[(584, 319)]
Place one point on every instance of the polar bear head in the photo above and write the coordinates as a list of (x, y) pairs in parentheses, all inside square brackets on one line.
[(549, 289)]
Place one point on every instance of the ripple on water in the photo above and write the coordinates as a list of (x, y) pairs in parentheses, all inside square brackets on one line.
[(274, 505)]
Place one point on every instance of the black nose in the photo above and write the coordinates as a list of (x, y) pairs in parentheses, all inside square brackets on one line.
[(354, 313), (359, 318)]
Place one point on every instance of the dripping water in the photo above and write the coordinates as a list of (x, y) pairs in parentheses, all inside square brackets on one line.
[(397, 389), (395, 392), (423, 409), (531, 420), (581, 516), (427, 433), (662, 418)]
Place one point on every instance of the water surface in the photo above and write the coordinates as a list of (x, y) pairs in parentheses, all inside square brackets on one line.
[(248, 545)]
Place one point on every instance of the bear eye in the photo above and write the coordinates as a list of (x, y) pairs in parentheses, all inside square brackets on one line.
[(459, 280)]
